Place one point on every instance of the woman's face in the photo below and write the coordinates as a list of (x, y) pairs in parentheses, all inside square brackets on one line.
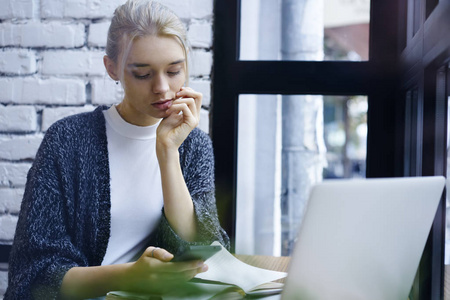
[(154, 71)]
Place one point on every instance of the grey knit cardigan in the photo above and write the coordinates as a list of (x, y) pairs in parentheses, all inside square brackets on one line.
[(64, 219)]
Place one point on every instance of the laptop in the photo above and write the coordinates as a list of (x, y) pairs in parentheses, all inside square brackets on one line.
[(362, 239)]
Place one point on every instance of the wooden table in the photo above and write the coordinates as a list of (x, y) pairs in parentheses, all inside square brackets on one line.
[(266, 262), (447, 282), (281, 264)]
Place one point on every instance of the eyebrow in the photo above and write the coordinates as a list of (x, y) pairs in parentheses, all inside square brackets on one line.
[(143, 65)]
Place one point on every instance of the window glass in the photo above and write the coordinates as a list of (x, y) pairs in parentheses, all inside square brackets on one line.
[(312, 30), (345, 134), (447, 233), (287, 143)]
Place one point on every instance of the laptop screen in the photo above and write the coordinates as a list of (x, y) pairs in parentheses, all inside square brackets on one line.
[(362, 239)]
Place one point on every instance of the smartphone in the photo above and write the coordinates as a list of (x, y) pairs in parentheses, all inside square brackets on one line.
[(197, 253)]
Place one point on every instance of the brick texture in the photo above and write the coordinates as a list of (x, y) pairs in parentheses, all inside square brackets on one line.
[(3, 282), (51, 115), (200, 35), (17, 62), (37, 34), (17, 9), (18, 118), (34, 90), (13, 174), (11, 200), (98, 33), (78, 9), (19, 147), (73, 62), (8, 226)]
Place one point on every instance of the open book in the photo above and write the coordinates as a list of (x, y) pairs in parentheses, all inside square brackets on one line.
[(227, 278)]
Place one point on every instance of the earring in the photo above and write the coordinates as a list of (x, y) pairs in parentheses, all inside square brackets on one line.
[(117, 82)]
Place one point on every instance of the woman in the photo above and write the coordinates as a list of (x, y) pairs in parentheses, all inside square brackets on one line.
[(115, 184)]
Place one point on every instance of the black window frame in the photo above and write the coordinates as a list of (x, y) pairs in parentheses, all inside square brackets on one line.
[(396, 66)]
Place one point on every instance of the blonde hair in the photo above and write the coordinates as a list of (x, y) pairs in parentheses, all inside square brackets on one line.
[(139, 18)]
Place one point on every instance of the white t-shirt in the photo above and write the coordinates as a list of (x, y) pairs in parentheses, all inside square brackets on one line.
[(136, 192)]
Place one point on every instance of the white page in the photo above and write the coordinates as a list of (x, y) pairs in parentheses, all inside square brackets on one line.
[(226, 268)]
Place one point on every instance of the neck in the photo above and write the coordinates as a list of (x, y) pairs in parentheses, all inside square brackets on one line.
[(130, 115)]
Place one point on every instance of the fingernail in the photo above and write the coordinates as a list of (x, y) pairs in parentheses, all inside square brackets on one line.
[(205, 268), (167, 256), (200, 264)]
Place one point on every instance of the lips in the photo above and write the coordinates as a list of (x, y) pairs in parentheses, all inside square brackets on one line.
[(163, 104)]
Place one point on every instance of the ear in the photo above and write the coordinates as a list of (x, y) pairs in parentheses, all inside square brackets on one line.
[(111, 68)]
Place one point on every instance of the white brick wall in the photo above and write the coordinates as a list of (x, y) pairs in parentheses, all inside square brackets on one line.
[(73, 62), (17, 62), (51, 66), (34, 90), (200, 63), (200, 34), (37, 34), (3, 282), (11, 200), (13, 174), (52, 114), (105, 91), (18, 118), (98, 33), (7, 226), (191, 9), (78, 9), (19, 147), (204, 87), (20, 9)]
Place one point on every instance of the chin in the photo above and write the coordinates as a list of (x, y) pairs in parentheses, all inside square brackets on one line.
[(159, 115)]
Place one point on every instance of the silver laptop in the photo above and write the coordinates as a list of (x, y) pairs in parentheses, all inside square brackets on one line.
[(362, 239)]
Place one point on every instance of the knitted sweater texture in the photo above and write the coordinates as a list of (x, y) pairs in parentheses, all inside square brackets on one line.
[(64, 220)]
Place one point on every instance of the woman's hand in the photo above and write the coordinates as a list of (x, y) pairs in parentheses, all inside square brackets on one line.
[(183, 117), (153, 272)]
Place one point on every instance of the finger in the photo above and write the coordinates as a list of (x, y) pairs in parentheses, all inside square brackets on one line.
[(188, 92), (158, 253), (175, 276), (193, 265), (171, 121), (190, 102), (188, 116), (203, 269), (189, 274)]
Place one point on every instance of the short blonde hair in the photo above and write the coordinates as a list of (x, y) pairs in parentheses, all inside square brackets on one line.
[(138, 18)]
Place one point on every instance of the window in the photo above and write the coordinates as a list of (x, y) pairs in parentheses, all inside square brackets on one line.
[(405, 58), (300, 139), (305, 30)]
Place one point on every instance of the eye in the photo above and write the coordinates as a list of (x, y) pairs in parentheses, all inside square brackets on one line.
[(137, 76), (173, 73)]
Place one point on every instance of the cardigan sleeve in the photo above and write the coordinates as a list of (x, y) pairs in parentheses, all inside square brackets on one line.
[(42, 251), (197, 163)]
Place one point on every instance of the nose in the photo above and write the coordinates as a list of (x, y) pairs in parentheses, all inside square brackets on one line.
[(160, 85)]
